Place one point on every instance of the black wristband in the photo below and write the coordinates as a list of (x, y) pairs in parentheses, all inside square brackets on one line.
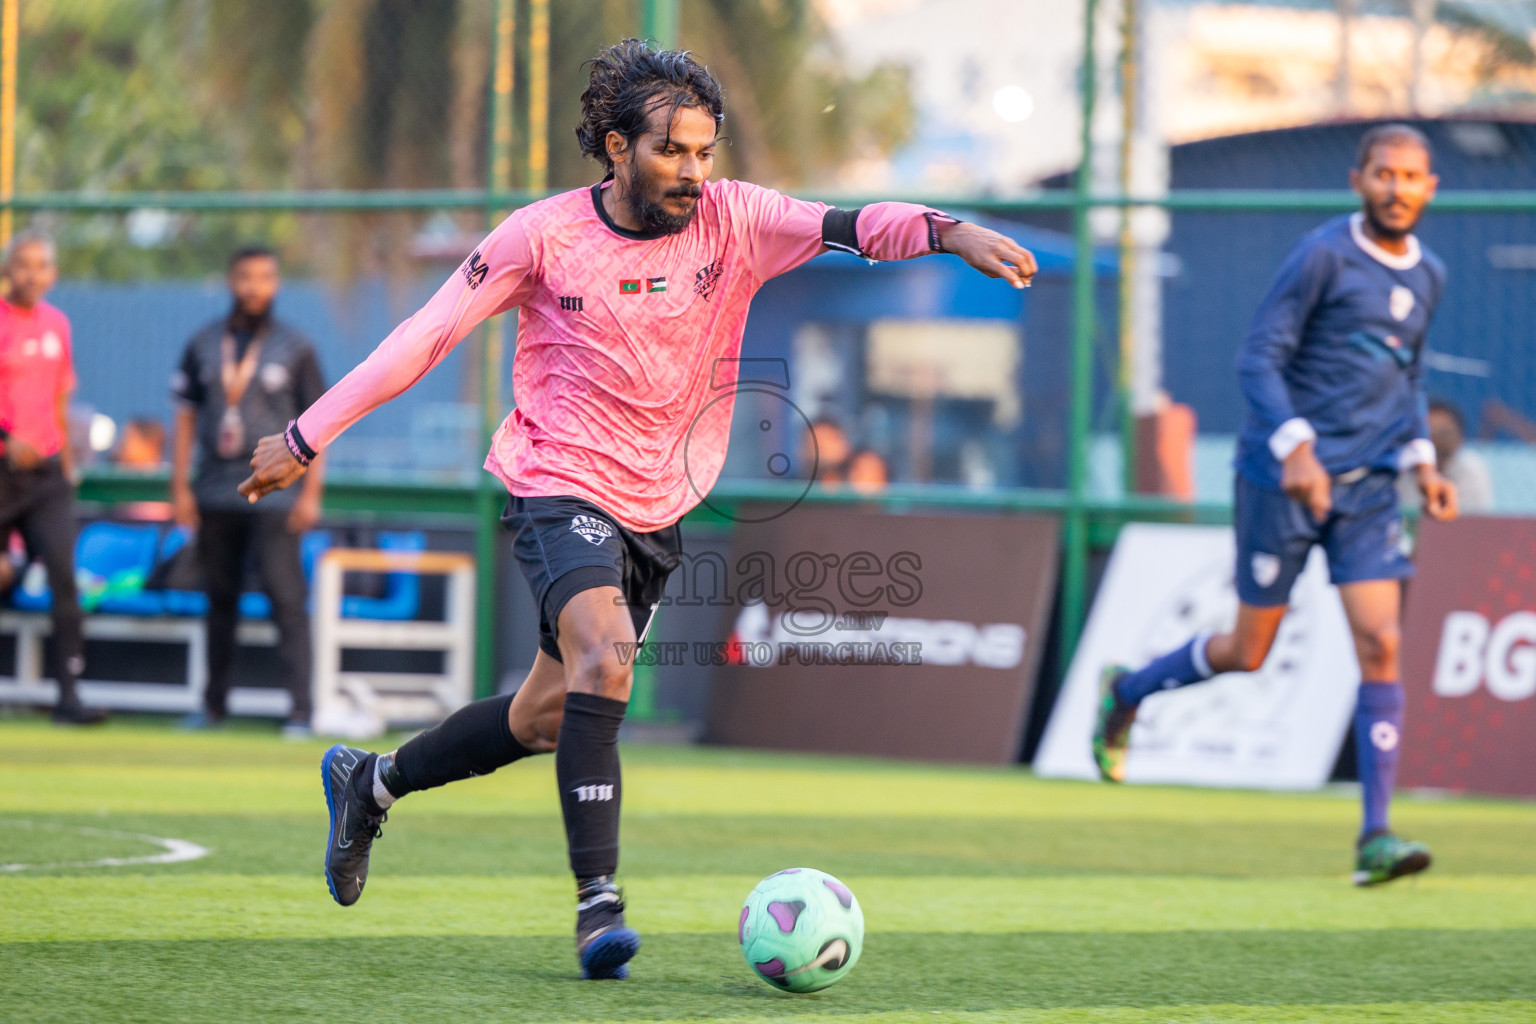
[(934, 218), (840, 230), (297, 446)]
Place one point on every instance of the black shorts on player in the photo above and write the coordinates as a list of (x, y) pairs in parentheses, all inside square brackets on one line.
[(566, 545)]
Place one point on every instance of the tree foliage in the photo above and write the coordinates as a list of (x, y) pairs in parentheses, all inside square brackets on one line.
[(149, 95)]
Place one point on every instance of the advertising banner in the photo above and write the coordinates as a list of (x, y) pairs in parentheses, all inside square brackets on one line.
[(1277, 728), (1469, 658), (892, 635)]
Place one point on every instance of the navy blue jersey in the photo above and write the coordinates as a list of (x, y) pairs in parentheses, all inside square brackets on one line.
[(1336, 351)]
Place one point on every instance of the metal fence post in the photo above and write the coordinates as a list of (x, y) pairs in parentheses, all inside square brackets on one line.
[(10, 28), (658, 21), (490, 495), (1074, 577)]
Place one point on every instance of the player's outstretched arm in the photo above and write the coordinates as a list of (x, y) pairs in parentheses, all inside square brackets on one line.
[(990, 252), (779, 233), (492, 280)]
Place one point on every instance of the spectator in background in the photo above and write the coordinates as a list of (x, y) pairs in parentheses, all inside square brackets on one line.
[(142, 445), (827, 450), (866, 471), (141, 449), (242, 377), (36, 470), (1466, 469)]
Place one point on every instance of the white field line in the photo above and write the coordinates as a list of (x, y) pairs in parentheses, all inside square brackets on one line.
[(173, 851)]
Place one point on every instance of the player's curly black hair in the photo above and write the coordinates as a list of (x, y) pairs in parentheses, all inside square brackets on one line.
[(626, 80)]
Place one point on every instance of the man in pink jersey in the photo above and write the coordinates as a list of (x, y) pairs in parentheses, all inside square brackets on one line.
[(37, 374), (634, 295)]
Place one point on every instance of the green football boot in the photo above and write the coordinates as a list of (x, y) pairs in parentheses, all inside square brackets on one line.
[(1112, 730), (1383, 856)]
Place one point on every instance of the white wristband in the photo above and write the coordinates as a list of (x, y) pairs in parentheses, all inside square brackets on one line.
[(1418, 452), (1292, 433)]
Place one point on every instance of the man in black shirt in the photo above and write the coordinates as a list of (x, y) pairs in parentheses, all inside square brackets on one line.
[(242, 377)]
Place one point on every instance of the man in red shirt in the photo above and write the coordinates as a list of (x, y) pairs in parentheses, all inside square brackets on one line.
[(37, 375)]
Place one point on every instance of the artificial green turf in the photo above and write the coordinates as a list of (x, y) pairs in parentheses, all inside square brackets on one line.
[(989, 895)]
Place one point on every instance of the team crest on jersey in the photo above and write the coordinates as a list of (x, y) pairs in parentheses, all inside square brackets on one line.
[(707, 277), (1266, 568), (1400, 302), (53, 348), (594, 530)]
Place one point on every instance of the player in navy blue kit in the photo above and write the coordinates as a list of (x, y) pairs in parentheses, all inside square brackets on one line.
[(1331, 373)]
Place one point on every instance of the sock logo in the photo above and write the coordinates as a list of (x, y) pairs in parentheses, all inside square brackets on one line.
[(587, 794), (1384, 736), (595, 530)]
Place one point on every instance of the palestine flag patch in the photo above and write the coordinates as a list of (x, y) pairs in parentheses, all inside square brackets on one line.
[(655, 284)]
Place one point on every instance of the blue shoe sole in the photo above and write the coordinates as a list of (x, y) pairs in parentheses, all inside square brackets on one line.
[(608, 956), (330, 806)]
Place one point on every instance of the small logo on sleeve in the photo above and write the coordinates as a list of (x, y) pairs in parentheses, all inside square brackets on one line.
[(475, 270), (570, 303)]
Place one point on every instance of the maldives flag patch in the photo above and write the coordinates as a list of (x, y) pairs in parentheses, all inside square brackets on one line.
[(629, 287), (655, 284)]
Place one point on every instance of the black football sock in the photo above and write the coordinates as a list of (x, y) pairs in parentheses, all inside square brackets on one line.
[(587, 768), (475, 740)]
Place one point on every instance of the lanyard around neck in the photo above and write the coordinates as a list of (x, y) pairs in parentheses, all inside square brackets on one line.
[(236, 377)]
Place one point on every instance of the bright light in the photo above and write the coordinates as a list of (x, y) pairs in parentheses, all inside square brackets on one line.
[(1013, 104), (103, 432)]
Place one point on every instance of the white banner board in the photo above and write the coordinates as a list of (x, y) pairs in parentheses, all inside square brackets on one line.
[(1277, 728)]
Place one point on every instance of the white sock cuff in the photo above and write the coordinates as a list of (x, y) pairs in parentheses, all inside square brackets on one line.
[(1197, 653), (381, 794)]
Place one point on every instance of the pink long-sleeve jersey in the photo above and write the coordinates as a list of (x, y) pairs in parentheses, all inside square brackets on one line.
[(620, 341)]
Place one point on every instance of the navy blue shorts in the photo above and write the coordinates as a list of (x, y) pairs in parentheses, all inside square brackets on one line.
[(1362, 536), (565, 545)]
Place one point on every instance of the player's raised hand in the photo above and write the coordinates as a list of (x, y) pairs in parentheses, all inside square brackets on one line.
[(1440, 501), (993, 254), (1304, 479), (273, 467)]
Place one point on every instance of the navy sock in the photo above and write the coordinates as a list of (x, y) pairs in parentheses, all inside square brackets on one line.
[(587, 768), (1378, 734), (1177, 668), (475, 740)]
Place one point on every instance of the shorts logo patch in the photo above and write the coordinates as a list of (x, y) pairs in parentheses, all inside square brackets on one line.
[(594, 530), (1266, 568), (1400, 302), (1384, 736)]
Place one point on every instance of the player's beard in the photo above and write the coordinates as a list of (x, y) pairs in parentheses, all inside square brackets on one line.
[(1385, 231), (652, 215)]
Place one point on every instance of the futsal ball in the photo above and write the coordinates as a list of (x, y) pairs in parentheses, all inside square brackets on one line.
[(801, 930)]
